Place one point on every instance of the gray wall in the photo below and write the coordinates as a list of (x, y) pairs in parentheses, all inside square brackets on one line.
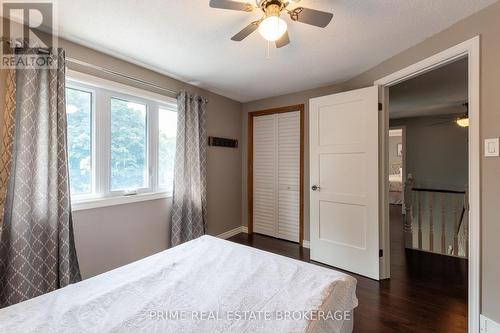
[(110, 237), (487, 24), (436, 152)]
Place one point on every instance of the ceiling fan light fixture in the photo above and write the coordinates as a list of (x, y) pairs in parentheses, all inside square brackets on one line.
[(463, 121), (272, 28)]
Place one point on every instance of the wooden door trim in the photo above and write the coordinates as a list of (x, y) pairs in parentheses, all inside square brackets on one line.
[(251, 115)]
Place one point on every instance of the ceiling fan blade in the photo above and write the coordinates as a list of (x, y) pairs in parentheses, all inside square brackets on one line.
[(232, 5), (283, 41), (246, 31), (311, 16), (449, 121)]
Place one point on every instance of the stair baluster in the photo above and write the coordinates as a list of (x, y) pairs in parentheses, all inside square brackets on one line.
[(443, 224), (455, 220), (431, 221), (420, 220)]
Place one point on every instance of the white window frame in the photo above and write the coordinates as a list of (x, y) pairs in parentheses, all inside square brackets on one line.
[(102, 92), (149, 153), (93, 184), (166, 107)]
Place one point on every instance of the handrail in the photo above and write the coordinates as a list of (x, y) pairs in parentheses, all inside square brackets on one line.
[(417, 189)]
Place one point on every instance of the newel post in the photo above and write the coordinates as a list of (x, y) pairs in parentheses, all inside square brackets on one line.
[(408, 207)]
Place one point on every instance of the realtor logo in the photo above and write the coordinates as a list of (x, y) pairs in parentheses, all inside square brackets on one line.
[(28, 29)]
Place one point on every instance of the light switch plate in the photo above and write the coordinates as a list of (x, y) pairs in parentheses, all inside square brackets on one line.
[(491, 148)]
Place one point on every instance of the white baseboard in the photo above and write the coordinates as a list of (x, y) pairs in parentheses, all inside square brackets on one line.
[(306, 244), (488, 325), (233, 232)]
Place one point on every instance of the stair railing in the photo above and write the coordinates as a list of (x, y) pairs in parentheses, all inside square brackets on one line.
[(426, 206)]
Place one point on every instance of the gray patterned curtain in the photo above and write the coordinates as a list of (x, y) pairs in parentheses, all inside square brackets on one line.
[(189, 205), (37, 250)]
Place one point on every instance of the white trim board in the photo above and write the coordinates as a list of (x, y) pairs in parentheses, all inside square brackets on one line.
[(113, 201), (470, 49), (233, 232), (118, 87), (489, 326), (402, 131), (244, 229)]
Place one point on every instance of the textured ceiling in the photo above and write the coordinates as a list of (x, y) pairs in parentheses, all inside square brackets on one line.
[(441, 91), (190, 41)]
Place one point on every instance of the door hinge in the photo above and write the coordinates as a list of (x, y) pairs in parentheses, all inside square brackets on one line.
[(380, 106), (380, 253)]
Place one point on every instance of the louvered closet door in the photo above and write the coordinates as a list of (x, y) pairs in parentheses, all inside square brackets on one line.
[(288, 175), (264, 169), (276, 175)]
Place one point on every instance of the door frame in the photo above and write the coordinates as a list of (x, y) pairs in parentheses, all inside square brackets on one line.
[(251, 115), (404, 174), (471, 50)]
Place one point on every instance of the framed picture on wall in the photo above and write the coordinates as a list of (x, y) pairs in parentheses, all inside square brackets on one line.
[(400, 149)]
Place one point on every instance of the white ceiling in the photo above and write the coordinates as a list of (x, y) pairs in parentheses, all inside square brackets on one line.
[(438, 92), (190, 41)]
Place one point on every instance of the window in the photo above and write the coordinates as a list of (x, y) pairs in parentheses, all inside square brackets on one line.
[(166, 153), (79, 117), (128, 145), (121, 142)]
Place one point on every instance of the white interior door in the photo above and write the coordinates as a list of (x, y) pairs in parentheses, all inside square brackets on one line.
[(344, 176), (276, 175)]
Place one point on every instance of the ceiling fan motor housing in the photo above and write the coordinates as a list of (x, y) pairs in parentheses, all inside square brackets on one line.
[(272, 7)]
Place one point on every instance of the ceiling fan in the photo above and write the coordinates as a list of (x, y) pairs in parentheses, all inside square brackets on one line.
[(462, 120), (271, 26)]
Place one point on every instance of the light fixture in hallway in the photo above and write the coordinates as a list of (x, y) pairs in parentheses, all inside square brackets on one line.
[(463, 121)]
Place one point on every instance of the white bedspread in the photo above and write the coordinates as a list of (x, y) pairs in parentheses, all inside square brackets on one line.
[(395, 183), (395, 189), (205, 277)]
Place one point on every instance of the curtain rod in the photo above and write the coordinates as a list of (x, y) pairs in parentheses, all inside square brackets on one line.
[(124, 76)]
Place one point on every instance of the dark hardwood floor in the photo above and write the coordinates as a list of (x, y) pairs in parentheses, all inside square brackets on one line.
[(426, 292)]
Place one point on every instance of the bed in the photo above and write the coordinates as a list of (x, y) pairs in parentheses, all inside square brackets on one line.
[(395, 189), (206, 285), (396, 183)]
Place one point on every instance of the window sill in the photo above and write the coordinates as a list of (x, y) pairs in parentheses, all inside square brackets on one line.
[(86, 204)]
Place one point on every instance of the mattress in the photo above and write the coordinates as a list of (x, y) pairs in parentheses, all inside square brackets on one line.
[(395, 189), (395, 183), (206, 285)]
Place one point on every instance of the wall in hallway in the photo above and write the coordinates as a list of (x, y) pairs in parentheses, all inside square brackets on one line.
[(436, 151)]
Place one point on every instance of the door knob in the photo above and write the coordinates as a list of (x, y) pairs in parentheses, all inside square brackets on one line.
[(315, 188)]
